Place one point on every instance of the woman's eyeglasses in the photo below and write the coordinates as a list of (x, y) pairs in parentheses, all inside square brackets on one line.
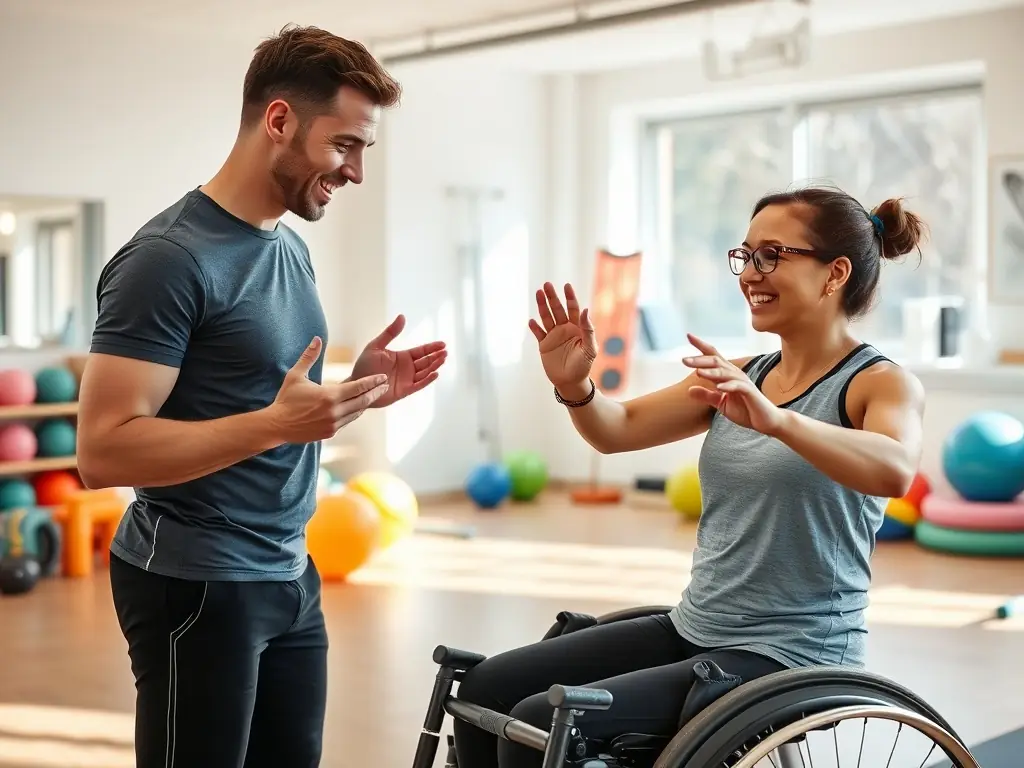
[(765, 258)]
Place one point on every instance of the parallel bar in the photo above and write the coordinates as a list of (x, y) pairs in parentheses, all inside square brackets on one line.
[(559, 30), (500, 725)]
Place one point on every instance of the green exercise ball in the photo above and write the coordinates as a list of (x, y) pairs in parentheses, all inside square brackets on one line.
[(529, 474), (15, 494), (56, 437), (55, 384)]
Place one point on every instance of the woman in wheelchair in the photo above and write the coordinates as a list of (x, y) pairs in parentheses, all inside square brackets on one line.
[(802, 449)]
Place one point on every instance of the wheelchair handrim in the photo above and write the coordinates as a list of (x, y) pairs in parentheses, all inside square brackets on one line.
[(949, 744), (777, 700), (773, 713)]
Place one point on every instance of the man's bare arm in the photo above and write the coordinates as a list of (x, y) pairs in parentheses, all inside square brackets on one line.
[(122, 443)]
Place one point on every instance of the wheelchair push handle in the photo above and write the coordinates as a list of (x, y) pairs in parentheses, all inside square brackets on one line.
[(582, 699)]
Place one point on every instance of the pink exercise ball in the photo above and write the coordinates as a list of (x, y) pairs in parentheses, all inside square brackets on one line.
[(17, 387), (17, 443)]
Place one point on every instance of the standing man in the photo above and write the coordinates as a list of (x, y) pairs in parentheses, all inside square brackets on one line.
[(203, 392)]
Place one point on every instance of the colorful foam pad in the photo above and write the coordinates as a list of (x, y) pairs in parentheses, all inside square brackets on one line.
[(951, 512), (979, 543)]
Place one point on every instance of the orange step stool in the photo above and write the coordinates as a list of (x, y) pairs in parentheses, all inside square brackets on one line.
[(88, 521)]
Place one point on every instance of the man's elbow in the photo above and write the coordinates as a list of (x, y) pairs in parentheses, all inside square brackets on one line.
[(93, 476), (91, 467)]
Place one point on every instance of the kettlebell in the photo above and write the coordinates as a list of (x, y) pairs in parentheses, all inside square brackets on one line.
[(19, 575), (32, 533)]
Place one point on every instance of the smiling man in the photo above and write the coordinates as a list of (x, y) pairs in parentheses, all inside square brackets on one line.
[(204, 392)]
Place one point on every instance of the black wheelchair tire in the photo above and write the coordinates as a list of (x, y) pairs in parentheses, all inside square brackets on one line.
[(776, 700)]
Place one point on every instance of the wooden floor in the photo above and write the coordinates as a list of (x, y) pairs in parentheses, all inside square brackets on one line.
[(66, 693)]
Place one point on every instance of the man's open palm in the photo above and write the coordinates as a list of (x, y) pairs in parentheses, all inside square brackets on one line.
[(408, 370)]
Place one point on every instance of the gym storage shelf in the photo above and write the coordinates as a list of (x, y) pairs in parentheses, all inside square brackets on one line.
[(37, 411), (32, 466)]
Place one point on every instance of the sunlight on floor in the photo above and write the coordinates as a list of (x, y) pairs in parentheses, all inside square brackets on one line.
[(62, 737), (630, 575)]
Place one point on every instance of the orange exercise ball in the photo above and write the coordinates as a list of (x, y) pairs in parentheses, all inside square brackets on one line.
[(55, 487), (342, 534)]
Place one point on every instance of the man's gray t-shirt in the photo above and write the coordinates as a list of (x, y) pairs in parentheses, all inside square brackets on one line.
[(232, 307)]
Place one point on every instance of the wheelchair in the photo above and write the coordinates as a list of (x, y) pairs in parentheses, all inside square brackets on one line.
[(763, 722)]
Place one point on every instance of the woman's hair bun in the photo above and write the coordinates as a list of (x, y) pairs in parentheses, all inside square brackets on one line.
[(902, 231)]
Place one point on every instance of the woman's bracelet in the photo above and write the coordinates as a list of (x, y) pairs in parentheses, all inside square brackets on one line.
[(577, 403)]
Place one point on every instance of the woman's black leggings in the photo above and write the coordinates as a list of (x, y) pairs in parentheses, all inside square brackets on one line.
[(645, 664)]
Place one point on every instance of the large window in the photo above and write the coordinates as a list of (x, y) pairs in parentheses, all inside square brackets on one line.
[(706, 174)]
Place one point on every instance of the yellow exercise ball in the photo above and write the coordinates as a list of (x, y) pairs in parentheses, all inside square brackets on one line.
[(902, 511), (683, 492), (394, 500)]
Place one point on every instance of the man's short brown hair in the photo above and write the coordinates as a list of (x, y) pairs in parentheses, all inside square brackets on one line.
[(306, 66)]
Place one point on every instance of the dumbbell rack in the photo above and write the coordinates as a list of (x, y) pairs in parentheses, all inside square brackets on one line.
[(36, 412)]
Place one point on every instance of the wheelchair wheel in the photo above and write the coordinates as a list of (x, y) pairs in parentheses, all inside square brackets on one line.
[(748, 723)]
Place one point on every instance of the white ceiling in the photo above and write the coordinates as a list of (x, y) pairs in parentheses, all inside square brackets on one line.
[(371, 20), (255, 19)]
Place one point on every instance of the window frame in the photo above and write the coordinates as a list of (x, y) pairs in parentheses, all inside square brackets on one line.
[(795, 109)]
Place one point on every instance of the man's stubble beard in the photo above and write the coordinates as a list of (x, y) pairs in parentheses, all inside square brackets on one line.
[(290, 173)]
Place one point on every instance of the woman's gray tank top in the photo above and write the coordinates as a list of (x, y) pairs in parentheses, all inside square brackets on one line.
[(782, 564)]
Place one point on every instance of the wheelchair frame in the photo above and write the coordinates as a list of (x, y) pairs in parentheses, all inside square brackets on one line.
[(772, 714)]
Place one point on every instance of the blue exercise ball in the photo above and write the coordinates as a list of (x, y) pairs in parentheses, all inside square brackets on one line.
[(489, 485), (893, 530), (983, 458)]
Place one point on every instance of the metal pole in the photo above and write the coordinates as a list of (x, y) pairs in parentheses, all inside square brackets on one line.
[(579, 24)]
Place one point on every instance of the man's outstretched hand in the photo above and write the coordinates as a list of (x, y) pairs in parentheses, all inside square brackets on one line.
[(408, 370)]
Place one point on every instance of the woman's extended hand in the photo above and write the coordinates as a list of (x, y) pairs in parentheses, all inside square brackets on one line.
[(735, 396), (565, 338)]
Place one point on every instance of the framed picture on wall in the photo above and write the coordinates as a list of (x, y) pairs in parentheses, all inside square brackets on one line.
[(1006, 236)]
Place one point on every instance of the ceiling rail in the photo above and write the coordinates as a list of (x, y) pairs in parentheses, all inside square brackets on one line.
[(581, 23)]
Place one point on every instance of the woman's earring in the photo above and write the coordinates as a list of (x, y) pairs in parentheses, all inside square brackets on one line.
[(830, 290)]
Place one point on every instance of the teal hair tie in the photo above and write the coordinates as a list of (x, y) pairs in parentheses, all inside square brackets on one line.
[(879, 226)]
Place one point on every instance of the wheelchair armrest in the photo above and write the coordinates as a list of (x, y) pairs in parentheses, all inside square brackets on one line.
[(571, 697), (456, 659)]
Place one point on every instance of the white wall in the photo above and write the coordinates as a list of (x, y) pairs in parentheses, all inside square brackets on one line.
[(989, 39), (460, 127), (137, 120), (133, 120)]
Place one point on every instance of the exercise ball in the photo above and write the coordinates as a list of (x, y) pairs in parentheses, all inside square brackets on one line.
[(529, 474), (17, 387), (489, 484), (56, 438), (55, 487), (899, 520), (903, 512), (893, 530), (683, 491), (324, 481), (17, 443), (983, 457), (342, 534), (919, 490), (15, 494), (55, 384), (394, 500)]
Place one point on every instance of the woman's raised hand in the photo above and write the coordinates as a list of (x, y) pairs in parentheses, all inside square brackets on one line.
[(565, 338)]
